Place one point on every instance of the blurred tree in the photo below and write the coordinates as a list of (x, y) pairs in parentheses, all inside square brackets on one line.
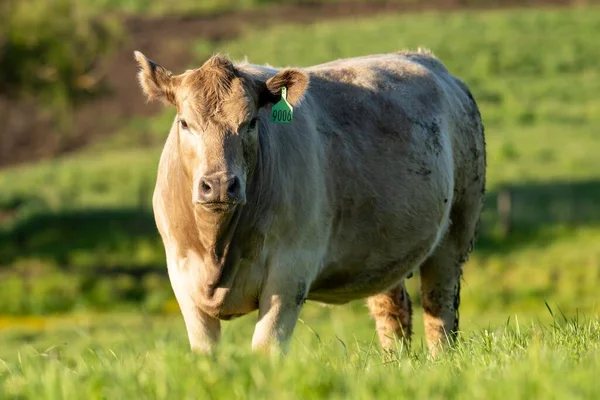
[(50, 50)]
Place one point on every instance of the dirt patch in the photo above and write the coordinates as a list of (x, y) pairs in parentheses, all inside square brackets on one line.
[(28, 133)]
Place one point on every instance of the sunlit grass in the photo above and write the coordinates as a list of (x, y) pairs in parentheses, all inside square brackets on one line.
[(559, 359)]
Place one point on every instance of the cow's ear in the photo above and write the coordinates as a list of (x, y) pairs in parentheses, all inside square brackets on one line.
[(157, 82), (296, 82)]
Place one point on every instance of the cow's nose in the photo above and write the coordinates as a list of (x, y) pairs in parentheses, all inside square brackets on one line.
[(220, 188), (234, 189), (209, 190)]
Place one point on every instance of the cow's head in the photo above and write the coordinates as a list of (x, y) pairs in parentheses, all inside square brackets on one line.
[(217, 112)]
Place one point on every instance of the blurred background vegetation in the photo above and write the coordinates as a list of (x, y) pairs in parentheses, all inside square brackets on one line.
[(79, 147)]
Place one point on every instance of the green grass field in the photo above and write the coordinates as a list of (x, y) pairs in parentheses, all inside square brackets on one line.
[(148, 358), (535, 75)]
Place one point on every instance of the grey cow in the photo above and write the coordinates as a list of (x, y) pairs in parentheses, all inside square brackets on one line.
[(380, 173)]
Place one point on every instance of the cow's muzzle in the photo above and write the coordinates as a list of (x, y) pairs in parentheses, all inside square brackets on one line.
[(219, 192)]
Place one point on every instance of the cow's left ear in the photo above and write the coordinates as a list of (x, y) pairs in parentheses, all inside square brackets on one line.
[(296, 82)]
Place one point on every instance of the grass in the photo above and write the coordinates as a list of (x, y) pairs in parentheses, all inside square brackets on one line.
[(140, 357)]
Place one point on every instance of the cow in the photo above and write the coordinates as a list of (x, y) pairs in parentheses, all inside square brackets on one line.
[(378, 172)]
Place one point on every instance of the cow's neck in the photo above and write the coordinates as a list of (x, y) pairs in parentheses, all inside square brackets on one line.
[(262, 194)]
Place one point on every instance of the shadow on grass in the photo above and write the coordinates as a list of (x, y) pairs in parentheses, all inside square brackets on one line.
[(539, 213), (122, 239), (109, 239)]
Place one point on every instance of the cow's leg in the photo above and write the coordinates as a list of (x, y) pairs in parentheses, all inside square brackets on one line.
[(281, 300), (203, 330), (440, 290), (392, 312), (441, 274)]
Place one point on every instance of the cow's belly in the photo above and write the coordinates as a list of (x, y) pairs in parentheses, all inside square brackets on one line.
[(366, 258), (350, 279)]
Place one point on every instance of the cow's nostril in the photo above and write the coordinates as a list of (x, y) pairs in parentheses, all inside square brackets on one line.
[(206, 187), (233, 187)]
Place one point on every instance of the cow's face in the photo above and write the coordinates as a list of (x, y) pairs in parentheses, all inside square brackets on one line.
[(217, 123)]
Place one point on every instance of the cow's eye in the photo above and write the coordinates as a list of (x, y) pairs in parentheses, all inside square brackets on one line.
[(252, 124), (183, 124)]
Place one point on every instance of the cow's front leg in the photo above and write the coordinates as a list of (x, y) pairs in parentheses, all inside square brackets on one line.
[(203, 330), (280, 303)]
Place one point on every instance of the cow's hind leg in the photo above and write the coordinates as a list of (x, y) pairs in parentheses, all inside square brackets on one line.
[(441, 275), (392, 312)]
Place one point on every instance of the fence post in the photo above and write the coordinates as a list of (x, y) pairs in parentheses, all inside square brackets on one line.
[(504, 205)]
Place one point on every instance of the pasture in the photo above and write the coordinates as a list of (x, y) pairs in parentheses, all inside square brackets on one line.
[(132, 357), (529, 309)]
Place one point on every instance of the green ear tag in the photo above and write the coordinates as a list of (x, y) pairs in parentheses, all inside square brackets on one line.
[(282, 112)]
